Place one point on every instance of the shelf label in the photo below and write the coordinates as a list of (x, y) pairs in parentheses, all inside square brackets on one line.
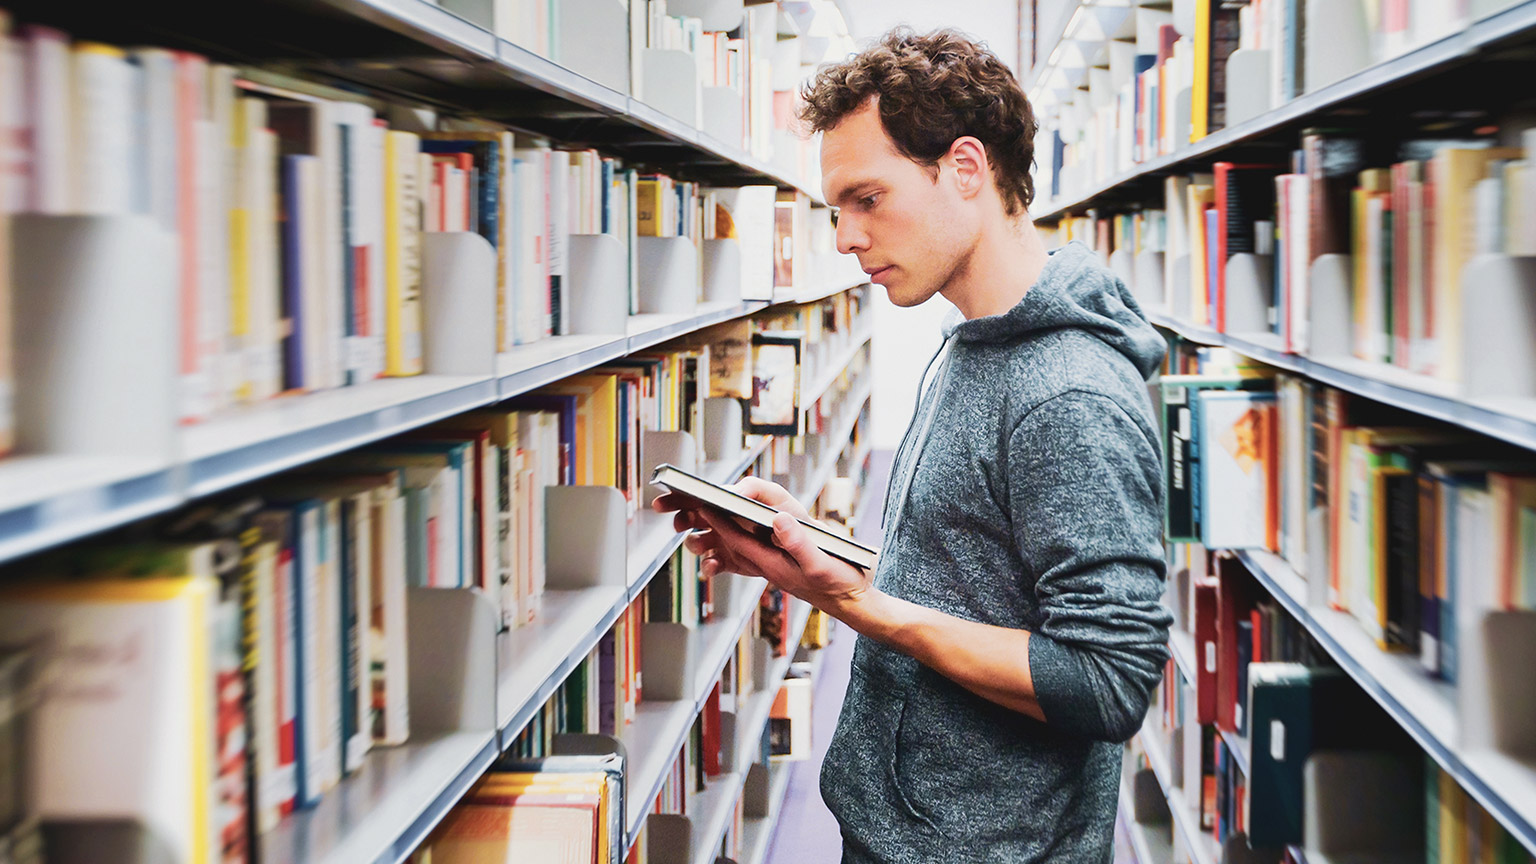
[(1210, 657), (1277, 740)]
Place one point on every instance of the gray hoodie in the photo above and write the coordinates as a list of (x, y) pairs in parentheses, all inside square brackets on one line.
[(1027, 494)]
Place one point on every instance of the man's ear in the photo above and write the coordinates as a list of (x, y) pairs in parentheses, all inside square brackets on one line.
[(968, 157)]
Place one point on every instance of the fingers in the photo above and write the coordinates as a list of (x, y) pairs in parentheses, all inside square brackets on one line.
[(772, 494), (756, 556), (790, 536), (674, 501)]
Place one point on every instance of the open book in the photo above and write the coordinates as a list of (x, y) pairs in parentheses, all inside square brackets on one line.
[(759, 513)]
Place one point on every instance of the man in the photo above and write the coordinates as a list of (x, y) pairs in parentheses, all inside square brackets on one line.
[(1012, 630)]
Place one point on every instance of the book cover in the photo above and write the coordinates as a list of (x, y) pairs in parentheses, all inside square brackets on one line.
[(1235, 464), (402, 254)]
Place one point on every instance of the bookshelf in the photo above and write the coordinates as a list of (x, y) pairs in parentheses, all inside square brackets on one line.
[(1152, 842), (1507, 419), (1445, 54), (1186, 817), (1430, 73), (481, 688)]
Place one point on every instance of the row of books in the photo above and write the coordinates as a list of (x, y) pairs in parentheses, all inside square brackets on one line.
[(1410, 228), (1299, 733), (1402, 520), (299, 211), (1128, 112)]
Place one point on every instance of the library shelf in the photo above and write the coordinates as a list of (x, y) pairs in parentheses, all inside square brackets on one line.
[(850, 411), (660, 728), (382, 813), (257, 440), (835, 367), (48, 499), (718, 800), (531, 366), (757, 834), (1511, 420), (1186, 818), (830, 288), (1147, 843), (533, 660), (1425, 707), (1182, 646), (646, 330), (1428, 59), (1240, 747)]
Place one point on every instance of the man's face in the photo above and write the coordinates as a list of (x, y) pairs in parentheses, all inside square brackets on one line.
[(909, 231)]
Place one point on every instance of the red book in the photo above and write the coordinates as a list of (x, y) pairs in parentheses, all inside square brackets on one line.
[(1244, 194), (1205, 650), (1167, 35), (1235, 601), (712, 732)]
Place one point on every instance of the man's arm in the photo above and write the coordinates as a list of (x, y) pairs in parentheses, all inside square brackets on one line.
[(1085, 502)]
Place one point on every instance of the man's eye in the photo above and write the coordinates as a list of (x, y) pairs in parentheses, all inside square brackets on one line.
[(867, 201)]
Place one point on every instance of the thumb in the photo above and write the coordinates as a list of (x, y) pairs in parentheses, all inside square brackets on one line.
[(791, 536)]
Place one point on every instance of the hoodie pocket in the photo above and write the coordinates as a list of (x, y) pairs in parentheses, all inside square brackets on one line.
[(898, 758)]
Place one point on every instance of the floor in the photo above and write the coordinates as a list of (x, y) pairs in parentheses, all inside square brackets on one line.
[(807, 833)]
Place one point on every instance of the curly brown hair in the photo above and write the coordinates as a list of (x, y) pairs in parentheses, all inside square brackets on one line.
[(932, 89)]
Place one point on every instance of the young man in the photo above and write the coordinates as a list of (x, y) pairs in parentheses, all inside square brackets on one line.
[(1012, 631)]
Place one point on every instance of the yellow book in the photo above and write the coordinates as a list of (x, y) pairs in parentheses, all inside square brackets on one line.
[(648, 221), (597, 430), (1455, 173), (1200, 197), (402, 254), (1200, 94)]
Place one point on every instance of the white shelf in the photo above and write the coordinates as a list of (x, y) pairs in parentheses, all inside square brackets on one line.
[(1182, 646), (831, 289), (852, 408), (836, 367), (1424, 706), (46, 500), (382, 813), (1147, 845), (757, 834), (535, 659), (1512, 420), (1186, 818), (718, 801), (528, 367), (660, 728), (1456, 49), (271, 436), (650, 329)]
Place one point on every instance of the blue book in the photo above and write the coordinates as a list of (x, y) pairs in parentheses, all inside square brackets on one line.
[(488, 166), (1213, 263), (292, 241)]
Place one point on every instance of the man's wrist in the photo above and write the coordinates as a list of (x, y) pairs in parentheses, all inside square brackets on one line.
[(867, 611)]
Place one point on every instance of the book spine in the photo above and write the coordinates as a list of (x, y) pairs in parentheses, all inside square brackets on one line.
[(402, 234)]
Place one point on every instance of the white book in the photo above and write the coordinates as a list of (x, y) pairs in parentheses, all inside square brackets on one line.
[(388, 644), (16, 160), (559, 232), (50, 95), (263, 362), (356, 675), (102, 131), (155, 179), (216, 179), (318, 318), (124, 727), (310, 718)]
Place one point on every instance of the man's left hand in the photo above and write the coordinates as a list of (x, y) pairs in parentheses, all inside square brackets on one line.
[(792, 561)]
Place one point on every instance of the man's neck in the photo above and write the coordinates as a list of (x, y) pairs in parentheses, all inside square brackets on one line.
[(1007, 259)]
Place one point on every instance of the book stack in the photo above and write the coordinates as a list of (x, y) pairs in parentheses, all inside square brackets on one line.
[(562, 808)]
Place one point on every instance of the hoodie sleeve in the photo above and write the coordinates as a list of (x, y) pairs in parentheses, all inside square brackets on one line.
[(1086, 497)]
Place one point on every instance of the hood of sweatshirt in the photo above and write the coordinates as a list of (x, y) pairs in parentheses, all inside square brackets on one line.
[(1075, 290)]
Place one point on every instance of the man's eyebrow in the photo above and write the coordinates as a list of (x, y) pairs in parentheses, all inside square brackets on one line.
[(852, 190)]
